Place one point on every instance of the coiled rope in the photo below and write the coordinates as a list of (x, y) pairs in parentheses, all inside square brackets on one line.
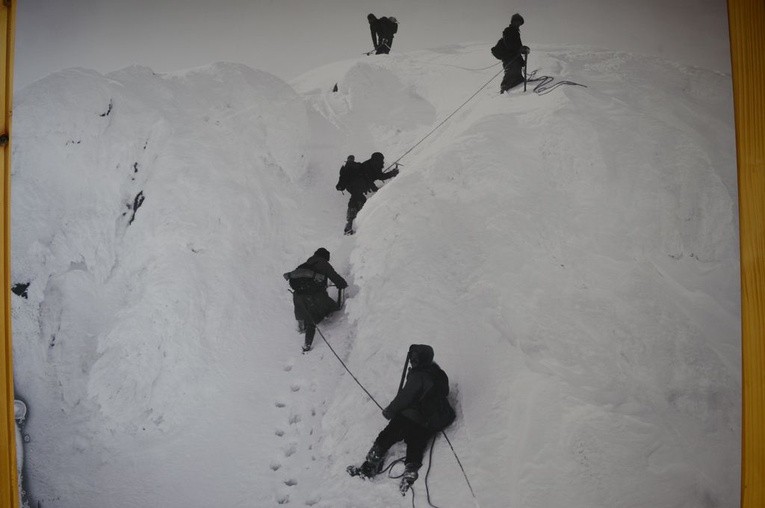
[(389, 470), (542, 88)]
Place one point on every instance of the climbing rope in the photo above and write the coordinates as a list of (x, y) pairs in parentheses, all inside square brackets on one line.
[(307, 313), (459, 462), (542, 88), (444, 120), (467, 68), (427, 472), (389, 470)]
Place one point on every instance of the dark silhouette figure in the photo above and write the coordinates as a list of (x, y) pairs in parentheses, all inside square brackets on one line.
[(383, 29), (359, 179), (510, 50), (419, 410), (310, 298)]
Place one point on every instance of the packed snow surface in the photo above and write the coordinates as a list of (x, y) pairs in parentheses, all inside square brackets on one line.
[(572, 258)]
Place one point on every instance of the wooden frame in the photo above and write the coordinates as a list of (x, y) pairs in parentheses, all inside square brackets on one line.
[(9, 488), (746, 19), (747, 26)]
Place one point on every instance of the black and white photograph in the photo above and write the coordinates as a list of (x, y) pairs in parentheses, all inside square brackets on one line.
[(355, 254)]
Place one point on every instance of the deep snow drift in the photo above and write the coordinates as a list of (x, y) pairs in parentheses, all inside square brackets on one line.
[(571, 257)]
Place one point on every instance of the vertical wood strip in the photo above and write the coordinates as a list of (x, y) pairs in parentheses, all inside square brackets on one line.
[(747, 40), (9, 488)]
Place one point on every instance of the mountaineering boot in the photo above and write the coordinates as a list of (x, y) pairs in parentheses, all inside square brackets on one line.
[(310, 330), (350, 215), (409, 477), (373, 463)]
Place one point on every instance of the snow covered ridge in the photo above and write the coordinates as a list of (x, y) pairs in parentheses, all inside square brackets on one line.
[(572, 258)]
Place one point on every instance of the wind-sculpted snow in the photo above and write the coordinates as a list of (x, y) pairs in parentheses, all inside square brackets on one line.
[(144, 207), (571, 257)]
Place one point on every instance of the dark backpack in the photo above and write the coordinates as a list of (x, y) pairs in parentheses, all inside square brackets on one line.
[(389, 26), (434, 406), (500, 50), (304, 280), (348, 172)]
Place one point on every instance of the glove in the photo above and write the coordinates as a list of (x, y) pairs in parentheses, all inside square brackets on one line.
[(525, 50), (342, 285), (394, 172), (339, 187), (387, 414)]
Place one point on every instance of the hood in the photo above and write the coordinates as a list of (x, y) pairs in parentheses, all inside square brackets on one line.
[(420, 355)]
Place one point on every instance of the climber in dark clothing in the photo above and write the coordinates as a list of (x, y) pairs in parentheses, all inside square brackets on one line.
[(309, 284), (359, 179), (511, 51), (419, 410), (382, 30)]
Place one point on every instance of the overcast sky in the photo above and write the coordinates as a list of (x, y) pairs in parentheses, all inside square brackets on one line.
[(289, 37)]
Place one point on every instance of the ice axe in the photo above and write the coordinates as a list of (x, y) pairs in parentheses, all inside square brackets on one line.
[(403, 373), (340, 295), (395, 166)]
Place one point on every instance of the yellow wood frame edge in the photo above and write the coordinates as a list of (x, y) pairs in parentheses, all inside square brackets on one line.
[(746, 19), (747, 24), (9, 488)]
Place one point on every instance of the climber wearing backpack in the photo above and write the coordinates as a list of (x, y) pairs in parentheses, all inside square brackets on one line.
[(359, 179), (382, 30), (510, 50), (309, 284), (419, 410)]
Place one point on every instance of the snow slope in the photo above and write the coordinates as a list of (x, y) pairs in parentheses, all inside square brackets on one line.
[(571, 257)]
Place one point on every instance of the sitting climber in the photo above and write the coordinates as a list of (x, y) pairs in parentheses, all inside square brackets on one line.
[(419, 410)]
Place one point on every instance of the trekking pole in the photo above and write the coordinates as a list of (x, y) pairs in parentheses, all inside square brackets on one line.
[(340, 294), (525, 66)]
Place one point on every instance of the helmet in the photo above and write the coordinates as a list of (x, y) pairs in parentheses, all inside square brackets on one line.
[(517, 18), (393, 19), (377, 156), (322, 253)]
